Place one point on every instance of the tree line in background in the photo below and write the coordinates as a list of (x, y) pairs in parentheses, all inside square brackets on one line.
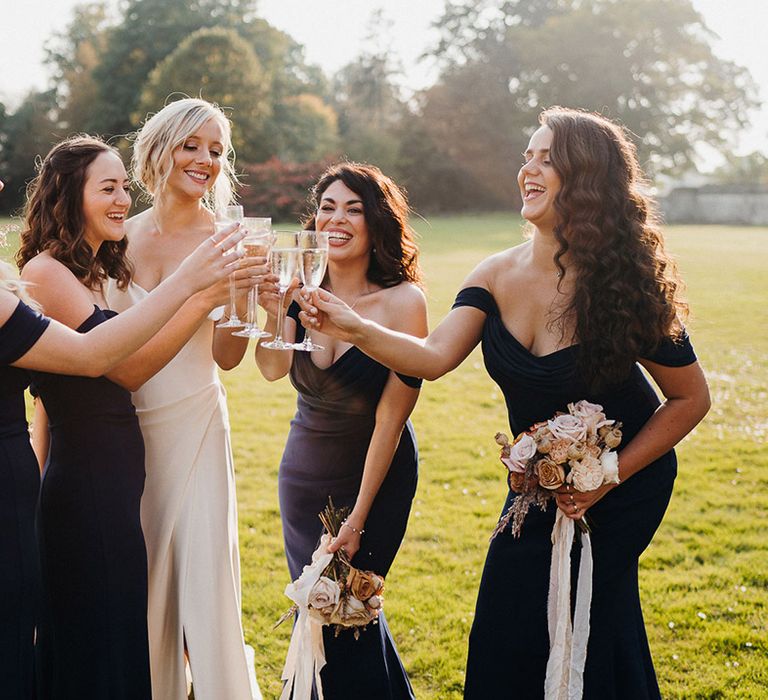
[(455, 145)]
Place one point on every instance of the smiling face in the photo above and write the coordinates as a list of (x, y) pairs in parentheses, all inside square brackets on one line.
[(197, 161), (106, 200), (341, 214), (539, 182)]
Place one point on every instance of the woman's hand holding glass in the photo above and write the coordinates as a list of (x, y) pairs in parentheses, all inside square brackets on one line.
[(324, 312)]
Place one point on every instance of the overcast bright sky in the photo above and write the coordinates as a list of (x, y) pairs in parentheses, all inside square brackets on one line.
[(333, 32)]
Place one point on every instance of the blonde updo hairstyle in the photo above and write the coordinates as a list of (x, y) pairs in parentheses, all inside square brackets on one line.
[(167, 130)]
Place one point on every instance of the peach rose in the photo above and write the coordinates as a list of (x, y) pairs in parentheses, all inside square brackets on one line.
[(559, 451), (551, 475), (363, 584)]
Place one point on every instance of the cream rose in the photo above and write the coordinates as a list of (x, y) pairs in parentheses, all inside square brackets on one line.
[(520, 453), (551, 475), (324, 593), (610, 463), (567, 427), (353, 613), (587, 474), (612, 438)]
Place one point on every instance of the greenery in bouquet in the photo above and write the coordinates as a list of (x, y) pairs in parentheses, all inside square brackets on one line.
[(575, 448)]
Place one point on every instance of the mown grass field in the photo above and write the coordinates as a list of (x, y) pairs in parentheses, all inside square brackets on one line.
[(704, 579)]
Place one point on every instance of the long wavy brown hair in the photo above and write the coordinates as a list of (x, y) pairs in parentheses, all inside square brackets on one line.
[(54, 219), (626, 297), (394, 253)]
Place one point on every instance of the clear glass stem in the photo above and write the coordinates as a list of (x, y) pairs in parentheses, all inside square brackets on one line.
[(232, 299), (279, 329)]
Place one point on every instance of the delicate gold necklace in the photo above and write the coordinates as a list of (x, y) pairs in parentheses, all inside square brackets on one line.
[(362, 294)]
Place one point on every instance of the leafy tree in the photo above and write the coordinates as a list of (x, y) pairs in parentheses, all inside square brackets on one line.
[(221, 67), (305, 129), (151, 30), (751, 169), (369, 102), (73, 54), (647, 63), (26, 135)]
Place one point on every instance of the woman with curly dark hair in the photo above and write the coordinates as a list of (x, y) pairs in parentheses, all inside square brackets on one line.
[(92, 641), (351, 438), (571, 314)]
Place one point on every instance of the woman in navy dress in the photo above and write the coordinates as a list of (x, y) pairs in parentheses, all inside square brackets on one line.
[(570, 314), (29, 340), (92, 640), (351, 438)]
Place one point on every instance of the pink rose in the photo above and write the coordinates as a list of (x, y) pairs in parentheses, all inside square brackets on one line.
[(568, 427), (520, 453), (590, 413)]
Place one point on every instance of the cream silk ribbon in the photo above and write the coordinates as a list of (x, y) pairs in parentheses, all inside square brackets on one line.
[(567, 645), (306, 654)]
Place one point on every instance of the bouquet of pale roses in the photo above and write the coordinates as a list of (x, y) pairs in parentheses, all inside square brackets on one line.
[(330, 591), (575, 448)]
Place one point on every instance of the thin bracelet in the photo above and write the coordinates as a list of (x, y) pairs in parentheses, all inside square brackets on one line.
[(354, 529)]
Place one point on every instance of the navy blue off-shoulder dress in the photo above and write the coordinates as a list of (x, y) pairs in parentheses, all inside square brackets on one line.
[(19, 487), (509, 642), (324, 456)]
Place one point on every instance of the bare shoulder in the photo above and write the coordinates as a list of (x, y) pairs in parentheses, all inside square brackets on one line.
[(139, 224), (406, 307), (57, 290), (501, 264)]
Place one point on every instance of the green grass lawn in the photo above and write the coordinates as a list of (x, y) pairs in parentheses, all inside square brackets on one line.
[(704, 579)]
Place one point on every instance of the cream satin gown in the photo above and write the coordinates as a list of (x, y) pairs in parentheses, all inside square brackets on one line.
[(189, 518)]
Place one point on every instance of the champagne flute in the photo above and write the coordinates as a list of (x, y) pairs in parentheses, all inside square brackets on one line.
[(313, 259), (257, 244), (284, 263), (226, 217)]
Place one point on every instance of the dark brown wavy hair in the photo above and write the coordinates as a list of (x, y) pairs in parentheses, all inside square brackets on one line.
[(394, 254), (54, 220), (626, 297)]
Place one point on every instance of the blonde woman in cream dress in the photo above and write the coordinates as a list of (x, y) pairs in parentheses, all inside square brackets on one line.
[(182, 158)]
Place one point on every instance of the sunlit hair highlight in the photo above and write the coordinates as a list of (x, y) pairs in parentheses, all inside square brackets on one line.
[(10, 282), (626, 297), (167, 130), (394, 253), (54, 220)]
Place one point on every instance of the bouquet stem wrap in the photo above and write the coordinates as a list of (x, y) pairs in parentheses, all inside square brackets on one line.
[(567, 644), (306, 653)]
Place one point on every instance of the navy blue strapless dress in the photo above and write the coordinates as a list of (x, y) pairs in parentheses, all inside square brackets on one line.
[(92, 643), (19, 488), (324, 456), (509, 642)]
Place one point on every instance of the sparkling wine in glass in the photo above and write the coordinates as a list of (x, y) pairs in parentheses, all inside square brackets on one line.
[(284, 264), (256, 244), (226, 217), (313, 252)]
